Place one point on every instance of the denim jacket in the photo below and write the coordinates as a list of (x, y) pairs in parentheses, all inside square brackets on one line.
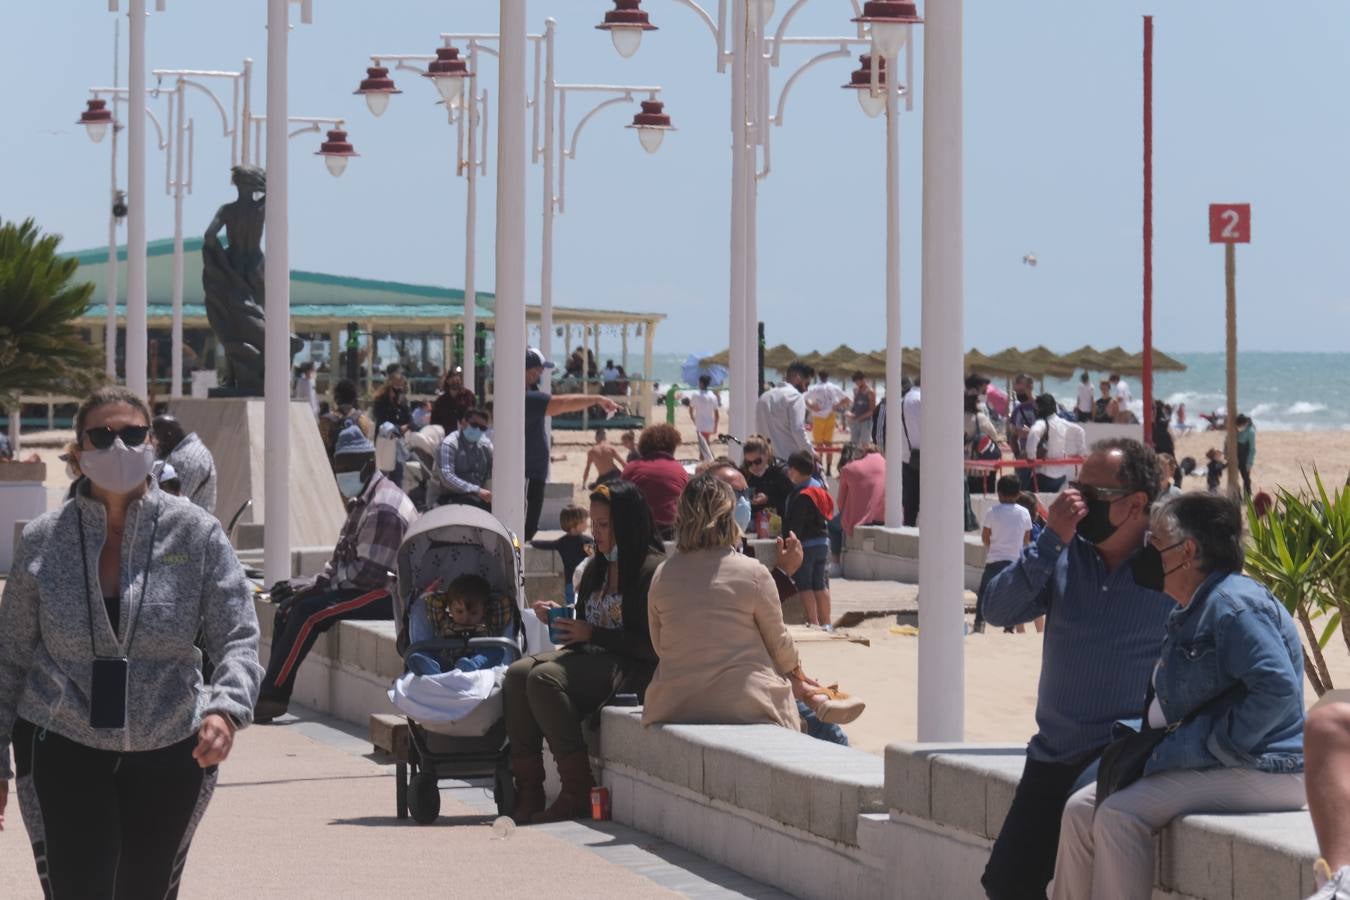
[(1232, 631)]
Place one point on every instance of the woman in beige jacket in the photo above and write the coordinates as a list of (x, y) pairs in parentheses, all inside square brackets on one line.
[(717, 626)]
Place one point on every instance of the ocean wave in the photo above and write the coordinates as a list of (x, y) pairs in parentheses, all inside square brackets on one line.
[(1304, 408)]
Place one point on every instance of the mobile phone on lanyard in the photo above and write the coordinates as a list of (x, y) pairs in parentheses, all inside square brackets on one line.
[(108, 693)]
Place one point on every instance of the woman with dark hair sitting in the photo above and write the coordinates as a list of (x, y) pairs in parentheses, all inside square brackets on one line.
[(767, 476), (1226, 701), (606, 649)]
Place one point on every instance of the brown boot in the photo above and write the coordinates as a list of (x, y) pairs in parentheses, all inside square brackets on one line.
[(528, 769), (575, 800)]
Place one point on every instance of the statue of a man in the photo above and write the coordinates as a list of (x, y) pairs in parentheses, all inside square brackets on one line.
[(232, 279)]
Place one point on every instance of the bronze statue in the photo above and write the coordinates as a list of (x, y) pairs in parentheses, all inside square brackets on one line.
[(232, 279)]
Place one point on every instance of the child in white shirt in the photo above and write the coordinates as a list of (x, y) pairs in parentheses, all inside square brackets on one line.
[(1007, 529)]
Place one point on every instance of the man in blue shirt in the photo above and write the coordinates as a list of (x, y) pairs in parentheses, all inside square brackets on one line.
[(1102, 636), (539, 405)]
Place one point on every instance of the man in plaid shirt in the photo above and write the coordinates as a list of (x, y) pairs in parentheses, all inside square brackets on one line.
[(355, 582)]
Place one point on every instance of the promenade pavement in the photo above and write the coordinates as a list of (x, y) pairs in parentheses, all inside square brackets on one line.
[(303, 810)]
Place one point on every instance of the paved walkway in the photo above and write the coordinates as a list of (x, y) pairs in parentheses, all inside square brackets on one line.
[(302, 811)]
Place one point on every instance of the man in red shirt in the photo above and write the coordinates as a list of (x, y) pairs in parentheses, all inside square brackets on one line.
[(658, 476)]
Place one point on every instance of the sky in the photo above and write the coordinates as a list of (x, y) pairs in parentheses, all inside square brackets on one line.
[(1247, 109)]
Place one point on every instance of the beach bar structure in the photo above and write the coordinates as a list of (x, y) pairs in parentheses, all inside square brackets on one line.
[(420, 326)]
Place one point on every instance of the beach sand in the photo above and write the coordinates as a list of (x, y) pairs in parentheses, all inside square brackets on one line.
[(1002, 671)]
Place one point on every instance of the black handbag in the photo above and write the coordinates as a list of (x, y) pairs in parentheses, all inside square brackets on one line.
[(1123, 761)]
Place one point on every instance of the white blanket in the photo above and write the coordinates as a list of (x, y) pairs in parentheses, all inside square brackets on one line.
[(447, 697)]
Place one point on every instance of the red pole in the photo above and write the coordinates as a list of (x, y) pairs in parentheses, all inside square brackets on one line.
[(1148, 230)]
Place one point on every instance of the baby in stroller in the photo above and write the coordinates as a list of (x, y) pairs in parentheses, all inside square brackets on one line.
[(458, 611)]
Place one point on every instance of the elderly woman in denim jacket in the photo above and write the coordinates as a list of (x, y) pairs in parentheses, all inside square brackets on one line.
[(1245, 754)]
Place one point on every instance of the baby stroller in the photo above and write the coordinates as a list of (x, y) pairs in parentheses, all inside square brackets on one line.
[(443, 544)]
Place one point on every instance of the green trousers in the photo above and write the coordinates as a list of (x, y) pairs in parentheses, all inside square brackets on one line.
[(548, 694)]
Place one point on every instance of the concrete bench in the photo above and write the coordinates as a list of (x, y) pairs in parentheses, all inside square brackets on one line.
[(773, 804), (947, 804), (877, 553)]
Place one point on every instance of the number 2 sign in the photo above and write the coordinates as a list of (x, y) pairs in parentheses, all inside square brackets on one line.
[(1230, 223)]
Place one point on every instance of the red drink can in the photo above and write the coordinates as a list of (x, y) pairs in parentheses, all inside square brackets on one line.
[(600, 804)]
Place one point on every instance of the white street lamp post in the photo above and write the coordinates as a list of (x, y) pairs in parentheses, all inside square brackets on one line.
[(277, 286), (137, 357), (941, 518), (98, 120), (746, 46), (508, 496)]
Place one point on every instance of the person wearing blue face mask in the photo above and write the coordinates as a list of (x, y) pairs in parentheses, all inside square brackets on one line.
[(464, 464), (355, 582), (1102, 626)]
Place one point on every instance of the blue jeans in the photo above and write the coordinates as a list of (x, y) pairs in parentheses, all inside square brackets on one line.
[(818, 729), (569, 593), (836, 532), (814, 574), (423, 663)]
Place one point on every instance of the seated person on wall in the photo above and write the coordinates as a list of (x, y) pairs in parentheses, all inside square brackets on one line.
[(355, 581), (767, 476), (464, 464), (717, 626), (344, 412), (607, 650), (1327, 745), (1102, 624), (658, 476), (1225, 703), (190, 458)]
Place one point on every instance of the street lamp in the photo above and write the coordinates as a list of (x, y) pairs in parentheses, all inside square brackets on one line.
[(627, 21), (96, 118), (749, 47), (448, 72), (377, 87), (873, 102), (888, 21), (651, 125), (336, 151)]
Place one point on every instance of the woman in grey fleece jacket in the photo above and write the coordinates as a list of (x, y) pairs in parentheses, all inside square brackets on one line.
[(117, 762)]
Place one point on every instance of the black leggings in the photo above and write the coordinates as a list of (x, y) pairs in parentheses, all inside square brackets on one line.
[(106, 825)]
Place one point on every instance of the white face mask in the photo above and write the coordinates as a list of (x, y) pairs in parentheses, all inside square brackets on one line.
[(119, 469), (349, 483)]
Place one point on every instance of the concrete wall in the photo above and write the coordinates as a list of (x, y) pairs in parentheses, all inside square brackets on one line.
[(874, 553)]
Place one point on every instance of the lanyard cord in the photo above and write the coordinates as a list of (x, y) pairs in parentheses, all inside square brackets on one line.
[(89, 597)]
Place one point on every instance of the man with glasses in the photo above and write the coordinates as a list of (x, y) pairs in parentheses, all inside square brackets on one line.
[(1102, 632), (464, 463)]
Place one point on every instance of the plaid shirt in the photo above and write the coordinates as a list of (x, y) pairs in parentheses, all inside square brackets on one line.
[(367, 551)]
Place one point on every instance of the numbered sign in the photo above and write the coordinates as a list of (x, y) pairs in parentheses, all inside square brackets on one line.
[(1230, 223)]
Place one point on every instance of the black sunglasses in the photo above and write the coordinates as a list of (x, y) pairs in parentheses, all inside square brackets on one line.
[(751, 463), (1091, 492), (103, 436)]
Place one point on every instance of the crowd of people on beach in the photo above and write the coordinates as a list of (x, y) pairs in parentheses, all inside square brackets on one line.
[(1138, 590)]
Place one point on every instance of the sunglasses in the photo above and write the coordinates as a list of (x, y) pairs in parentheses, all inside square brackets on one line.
[(1091, 492), (754, 463), (102, 437)]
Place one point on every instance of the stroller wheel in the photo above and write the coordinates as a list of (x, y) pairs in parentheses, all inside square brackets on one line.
[(504, 789), (401, 790), (424, 798)]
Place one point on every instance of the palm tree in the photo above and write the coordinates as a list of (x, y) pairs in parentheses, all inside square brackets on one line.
[(41, 350)]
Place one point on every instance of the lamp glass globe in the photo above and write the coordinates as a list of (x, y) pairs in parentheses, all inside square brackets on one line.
[(336, 165), (451, 87), (96, 131), (872, 104), (377, 102), (626, 40), (651, 138), (887, 38)]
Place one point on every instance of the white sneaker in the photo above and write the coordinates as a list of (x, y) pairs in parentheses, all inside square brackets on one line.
[(1332, 886), (828, 629)]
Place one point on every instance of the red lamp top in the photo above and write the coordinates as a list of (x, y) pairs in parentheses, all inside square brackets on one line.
[(627, 14), (96, 113), (377, 81)]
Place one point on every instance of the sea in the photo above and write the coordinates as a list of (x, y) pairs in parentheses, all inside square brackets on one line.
[(1280, 391)]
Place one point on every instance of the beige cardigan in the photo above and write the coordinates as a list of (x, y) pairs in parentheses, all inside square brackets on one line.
[(717, 627)]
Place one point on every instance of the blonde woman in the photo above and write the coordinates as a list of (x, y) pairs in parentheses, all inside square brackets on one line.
[(717, 626)]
